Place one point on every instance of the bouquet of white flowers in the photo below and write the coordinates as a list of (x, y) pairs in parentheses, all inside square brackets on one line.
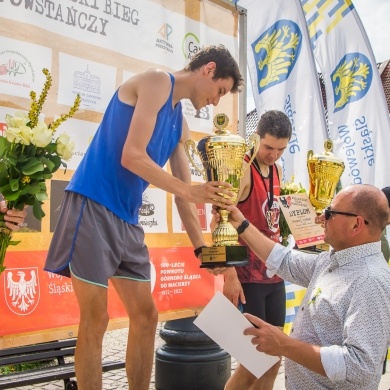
[(287, 188), (29, 155)]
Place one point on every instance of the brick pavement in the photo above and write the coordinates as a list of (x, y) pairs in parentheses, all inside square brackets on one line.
[(114, 349)]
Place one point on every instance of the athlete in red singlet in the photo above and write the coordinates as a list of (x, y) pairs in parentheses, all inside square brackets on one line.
[(250, 286)]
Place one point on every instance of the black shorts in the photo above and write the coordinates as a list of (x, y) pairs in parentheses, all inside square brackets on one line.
[(266, 301)]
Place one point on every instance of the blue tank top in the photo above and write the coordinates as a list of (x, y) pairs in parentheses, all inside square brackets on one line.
[(100, 175)]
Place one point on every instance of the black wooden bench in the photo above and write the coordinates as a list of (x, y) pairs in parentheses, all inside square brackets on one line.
[(55, 352)]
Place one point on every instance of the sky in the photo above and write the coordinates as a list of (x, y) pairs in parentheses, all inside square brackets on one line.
[(374, 15)]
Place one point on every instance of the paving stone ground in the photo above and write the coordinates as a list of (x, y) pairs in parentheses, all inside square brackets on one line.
[(114, 349)]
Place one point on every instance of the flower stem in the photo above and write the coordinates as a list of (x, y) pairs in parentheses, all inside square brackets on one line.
[(5, 238)]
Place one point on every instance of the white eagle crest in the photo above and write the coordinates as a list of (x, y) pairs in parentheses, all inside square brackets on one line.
[(23, 292)]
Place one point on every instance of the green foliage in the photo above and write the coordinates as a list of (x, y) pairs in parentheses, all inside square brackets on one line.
[(29, 155), (23, 172), (23, 367)]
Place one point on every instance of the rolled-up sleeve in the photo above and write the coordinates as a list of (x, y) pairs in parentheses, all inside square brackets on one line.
[(332, 359), (275, 259)]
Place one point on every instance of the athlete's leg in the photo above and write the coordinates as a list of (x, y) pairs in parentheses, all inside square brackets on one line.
[(92, 300), (275, 313), (138, 302), (266, 382), (242, 378)]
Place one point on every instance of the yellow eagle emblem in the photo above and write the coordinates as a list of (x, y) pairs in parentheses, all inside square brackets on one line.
[(351, 79), (276, 52)]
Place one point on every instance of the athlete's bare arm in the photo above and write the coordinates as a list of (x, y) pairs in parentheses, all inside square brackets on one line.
[(148, 92)]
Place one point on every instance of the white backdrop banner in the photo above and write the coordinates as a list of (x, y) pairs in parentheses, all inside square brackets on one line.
[(135, 23), (284, 77), (357, 112), (90, 47)]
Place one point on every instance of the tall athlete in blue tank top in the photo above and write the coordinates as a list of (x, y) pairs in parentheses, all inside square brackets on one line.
[(98, 236)]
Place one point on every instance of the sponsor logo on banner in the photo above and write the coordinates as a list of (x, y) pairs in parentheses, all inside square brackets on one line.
[(351, 79), (22, 290), (190, 45), (15, 64), (85, 81), (88, 86), (94, 82), (153, 213), (165, 31), (147, 208), (276, 51)]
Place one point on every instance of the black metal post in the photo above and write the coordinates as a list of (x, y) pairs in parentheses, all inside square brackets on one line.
[(189, 359)]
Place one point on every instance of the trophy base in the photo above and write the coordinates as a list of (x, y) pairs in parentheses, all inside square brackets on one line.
[(224, 256)]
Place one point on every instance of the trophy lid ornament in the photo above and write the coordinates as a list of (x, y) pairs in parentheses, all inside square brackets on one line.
[(223, 144), (325, 171), (220, 122)]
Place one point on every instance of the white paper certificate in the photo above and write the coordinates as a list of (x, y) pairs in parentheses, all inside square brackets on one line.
[(224, 324), (300, 216)]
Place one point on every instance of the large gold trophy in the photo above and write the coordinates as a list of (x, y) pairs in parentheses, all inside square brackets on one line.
[(325, 171), (222, 156)]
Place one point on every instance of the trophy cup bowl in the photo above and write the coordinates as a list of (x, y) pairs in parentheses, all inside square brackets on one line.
[(222, 156), (325, 171)]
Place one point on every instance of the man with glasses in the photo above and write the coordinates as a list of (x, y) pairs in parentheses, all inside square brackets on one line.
[(328, 212), (342, 328)]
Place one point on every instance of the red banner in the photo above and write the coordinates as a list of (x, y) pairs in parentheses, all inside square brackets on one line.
[(33, 299)]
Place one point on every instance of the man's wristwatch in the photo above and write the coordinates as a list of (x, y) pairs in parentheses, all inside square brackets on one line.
[(243, 226)]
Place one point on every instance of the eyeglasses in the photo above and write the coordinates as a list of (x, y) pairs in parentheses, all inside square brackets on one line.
[(328, 212)]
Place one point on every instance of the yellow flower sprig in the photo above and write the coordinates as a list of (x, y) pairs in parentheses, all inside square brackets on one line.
[(36, 106), (53, 126), (33, 114)]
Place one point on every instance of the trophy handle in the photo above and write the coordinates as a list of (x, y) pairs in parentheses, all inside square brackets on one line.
[(189, 147), (253, 142)]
